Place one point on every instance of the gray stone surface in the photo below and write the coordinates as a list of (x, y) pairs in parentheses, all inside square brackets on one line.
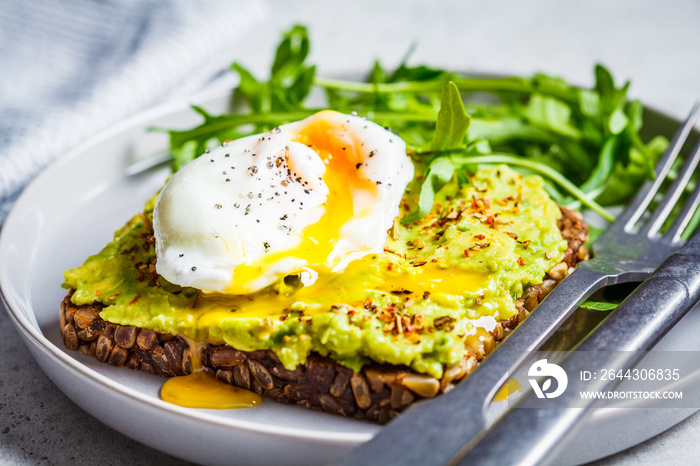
[(656, 44), (40, 425)]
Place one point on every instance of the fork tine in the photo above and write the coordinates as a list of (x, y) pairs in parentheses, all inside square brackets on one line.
[(641, 201), (686, 213), (671, 197)]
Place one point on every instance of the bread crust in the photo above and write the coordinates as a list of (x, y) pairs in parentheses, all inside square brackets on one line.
[(377, 393)]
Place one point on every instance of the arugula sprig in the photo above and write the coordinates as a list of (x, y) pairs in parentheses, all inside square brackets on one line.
[(290, 77), (450, 129), (585, 142)]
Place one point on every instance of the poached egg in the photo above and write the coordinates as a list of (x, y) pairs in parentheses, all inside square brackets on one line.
[(306, 198)]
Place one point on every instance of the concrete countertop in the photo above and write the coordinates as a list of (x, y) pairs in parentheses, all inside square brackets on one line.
[(655, 44)]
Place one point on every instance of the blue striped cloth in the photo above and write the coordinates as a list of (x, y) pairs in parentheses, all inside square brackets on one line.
[(71, 68)]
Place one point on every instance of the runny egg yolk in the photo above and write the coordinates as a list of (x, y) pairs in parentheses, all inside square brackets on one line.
[(341, 152), (314, 195), (355, 281), (201, 389)]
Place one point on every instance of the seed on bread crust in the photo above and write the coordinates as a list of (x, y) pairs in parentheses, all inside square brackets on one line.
[(361, 390), (225, 376), (260, 374), (284, 373), (226, 356), (173, 355), (104, 347), (241, 375), (84, 317), (146, 339), (118, 356), (340, 383), (125, 335), (421, 384)]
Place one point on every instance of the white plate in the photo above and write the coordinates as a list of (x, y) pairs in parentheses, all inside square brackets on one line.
[(71, 211)]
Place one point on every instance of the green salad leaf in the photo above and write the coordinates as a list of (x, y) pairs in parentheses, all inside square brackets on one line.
[(452, 120), (599, 305), (438, 174)]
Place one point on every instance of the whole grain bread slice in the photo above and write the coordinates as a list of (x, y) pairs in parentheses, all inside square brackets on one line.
[(377, 393)]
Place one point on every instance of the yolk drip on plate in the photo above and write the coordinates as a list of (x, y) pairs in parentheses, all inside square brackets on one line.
[(202, 390)]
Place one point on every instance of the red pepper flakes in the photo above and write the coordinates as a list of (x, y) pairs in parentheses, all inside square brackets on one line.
[(136, 298), (466, 253), (521, 261)]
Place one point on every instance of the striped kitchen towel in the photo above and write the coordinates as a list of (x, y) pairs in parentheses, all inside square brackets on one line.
[(69, 68)]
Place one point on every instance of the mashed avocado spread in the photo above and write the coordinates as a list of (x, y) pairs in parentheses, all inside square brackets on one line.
[(437, 283)]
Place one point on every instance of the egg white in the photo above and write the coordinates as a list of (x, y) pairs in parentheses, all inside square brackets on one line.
[(250, 203)]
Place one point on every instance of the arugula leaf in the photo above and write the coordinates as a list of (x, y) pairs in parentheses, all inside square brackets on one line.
[(301, 86), (618, 121), (605, 85), (253, 90), (377, 75), (552, 86), (624, 180), (635, 112), (184, 154), (552, 114), (602, 171), (452, 120), (415, 74), (438, 174), (594, 233), (598, 305), (290, 78), (589, 102), (692, 226), (291, 54), (190, 144)]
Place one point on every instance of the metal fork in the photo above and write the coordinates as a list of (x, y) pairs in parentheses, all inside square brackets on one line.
[(435, 431)]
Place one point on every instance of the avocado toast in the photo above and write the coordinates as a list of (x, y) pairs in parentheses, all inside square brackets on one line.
[(369, 342)]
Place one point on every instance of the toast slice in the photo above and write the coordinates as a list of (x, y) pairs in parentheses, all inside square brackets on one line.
[(378, 392)]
